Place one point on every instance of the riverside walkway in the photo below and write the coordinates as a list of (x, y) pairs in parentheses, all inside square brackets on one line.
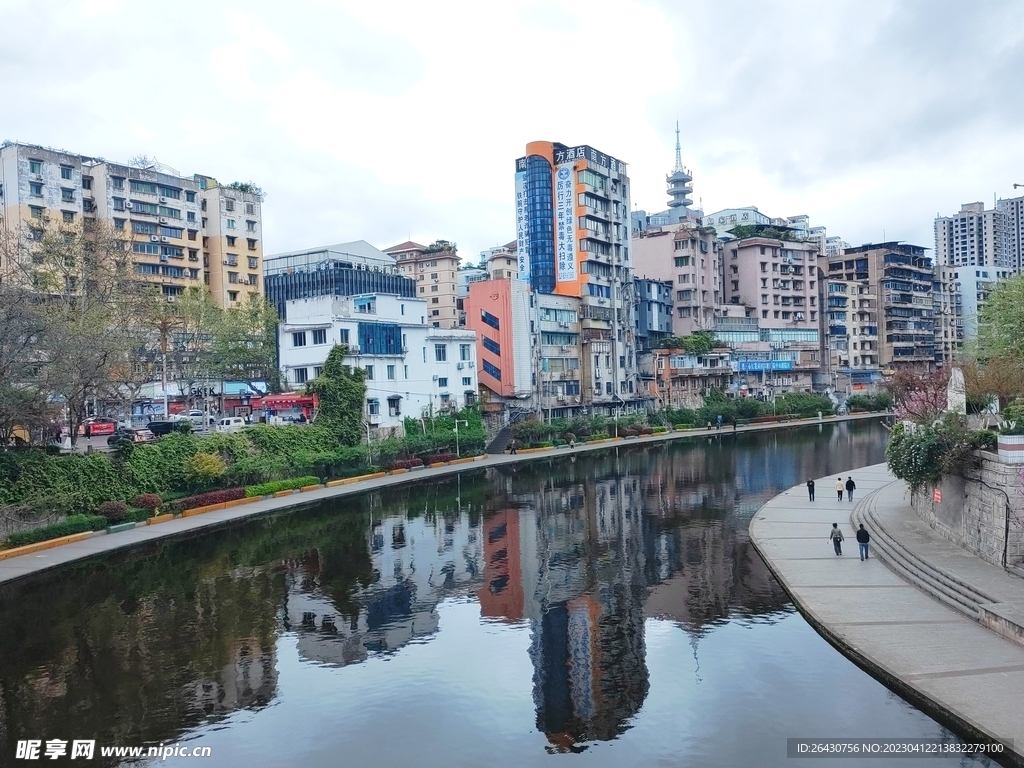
[(914, 624), (22, 566)]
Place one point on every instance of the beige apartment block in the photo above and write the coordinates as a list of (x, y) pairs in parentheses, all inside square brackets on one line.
[(690, 257), (435, 269), (180, 227)]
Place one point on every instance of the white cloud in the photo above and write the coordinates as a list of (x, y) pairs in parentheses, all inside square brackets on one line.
[(384, 121)]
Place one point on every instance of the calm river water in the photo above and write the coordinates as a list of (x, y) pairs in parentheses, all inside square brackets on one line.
[(600, 610)]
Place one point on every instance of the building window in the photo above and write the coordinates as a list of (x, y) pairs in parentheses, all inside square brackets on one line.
[(369, 373), (440, 352), (492, 370), (231, 240), (391, 373), (491, 346), (433, 289), (250, 226), (69, 216), (344, 335), (87, 182), (231, 224), (320, 336), (317, 370), (442, 382), (488, 318), (190, 197), (250, 209), (35, 188), (299, 339), (301, 375), (253, 262), (232, 277), (36, 211), (119, 224), (373, 407), (394, 406), (229, 204), (465, 351), (252, 243), (467, 381), (67, 195), (35, 166), (435, 300)]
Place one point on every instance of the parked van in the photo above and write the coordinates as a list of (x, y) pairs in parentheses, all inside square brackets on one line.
[(230, 424)]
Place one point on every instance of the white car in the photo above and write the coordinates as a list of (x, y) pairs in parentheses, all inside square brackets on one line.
[(230, 424)]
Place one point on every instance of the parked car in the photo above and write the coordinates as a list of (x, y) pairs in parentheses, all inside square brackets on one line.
[(230, 424), (96, 427), (131, 434), (160, 428)]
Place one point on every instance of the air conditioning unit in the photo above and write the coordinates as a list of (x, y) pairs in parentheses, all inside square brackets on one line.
[(353, 349), (165, 239), (373, 419), (163, 219), (163, 199), (154, 239), (460, 366), (127, 206), (434, 377), (563, 325), (172, 299)]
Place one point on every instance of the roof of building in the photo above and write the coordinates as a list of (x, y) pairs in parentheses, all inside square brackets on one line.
[(355, 248), (408, 245)]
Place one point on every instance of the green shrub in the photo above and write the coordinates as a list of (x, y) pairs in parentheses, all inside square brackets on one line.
[(66, 527), (206, 468), (138, 515), (660, 429), (266, 489), (147, 501)]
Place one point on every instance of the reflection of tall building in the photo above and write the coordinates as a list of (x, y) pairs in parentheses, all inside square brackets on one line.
[(249, 679), (502, 592), (416, 563), (585, 608)]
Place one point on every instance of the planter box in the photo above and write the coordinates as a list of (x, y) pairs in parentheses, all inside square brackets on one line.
[(1011, 448), (120, 527)]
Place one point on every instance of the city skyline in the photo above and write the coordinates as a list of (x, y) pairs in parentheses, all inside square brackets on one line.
[(345, 133)]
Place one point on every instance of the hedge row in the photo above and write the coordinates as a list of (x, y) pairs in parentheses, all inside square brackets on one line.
[(204, 499), (66, 527), (266, 489), (438, 458), (405, 464)]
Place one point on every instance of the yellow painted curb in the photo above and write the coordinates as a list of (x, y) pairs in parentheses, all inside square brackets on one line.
[(462, 461), (481, 457), (159, 519), (399, 471), (279, 494), (358, 478), (202, 510), (39, 546), (436, 464), (313, 487)]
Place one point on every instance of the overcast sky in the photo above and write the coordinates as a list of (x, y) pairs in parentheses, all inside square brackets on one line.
[(389, 120)]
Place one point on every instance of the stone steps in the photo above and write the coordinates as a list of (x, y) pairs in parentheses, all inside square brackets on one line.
[(936, 582)]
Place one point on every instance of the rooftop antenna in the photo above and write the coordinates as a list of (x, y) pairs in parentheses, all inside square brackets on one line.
[(679, 152)]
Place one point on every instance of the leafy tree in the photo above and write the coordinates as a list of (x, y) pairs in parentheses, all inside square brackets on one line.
[(342, 392), (245, 345), (742, 231), (1001, 320), (192, 324), (697, 343)]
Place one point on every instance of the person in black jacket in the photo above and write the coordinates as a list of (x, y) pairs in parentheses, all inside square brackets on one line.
[(863, 537), (810, 489), (850, 488)]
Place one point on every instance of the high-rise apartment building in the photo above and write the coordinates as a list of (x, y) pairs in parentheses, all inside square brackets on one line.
[(573, 241), (186, 232), (975, 237), (435, 269), (1013, 211), (902, 279), (949, 323)]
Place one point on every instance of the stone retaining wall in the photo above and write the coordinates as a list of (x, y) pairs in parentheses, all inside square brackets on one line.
[(973, 512)]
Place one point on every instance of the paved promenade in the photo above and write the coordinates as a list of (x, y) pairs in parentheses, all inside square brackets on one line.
[(26, 565), (936, 657)]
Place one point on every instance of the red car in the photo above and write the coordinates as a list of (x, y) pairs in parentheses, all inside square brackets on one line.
[(95, 427)]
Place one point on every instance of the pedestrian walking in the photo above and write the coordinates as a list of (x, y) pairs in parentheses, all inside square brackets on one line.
[(572, 441), (850, 488), (837, 538), (839, 488), (810, 489), (719, 421), (709, 426), (863, 537), (512, 448)]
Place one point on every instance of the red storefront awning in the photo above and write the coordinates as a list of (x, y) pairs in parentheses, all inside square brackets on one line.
[(286, 401)]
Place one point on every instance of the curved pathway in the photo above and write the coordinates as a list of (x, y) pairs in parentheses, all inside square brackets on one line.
[(939, 659), (25, 565)]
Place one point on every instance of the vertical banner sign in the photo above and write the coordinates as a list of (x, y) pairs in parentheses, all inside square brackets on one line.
[(565, 223), (522, 226)]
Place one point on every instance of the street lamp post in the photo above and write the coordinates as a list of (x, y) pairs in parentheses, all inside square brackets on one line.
[(457, 422)]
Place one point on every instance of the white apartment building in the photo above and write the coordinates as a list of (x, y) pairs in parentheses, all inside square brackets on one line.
[(1013, 211), (186, 231), (412, 368), (723, 221), (972, 287), (975, 237)]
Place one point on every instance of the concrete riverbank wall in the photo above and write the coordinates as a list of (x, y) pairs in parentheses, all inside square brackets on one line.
[(982, 512)]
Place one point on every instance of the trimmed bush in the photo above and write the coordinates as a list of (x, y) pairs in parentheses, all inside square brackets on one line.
[(66, 527), (148, 501), (205, 499), (659, 430), (684, 426), (405, 463), (137, 515), (266, 489), (113, 511)]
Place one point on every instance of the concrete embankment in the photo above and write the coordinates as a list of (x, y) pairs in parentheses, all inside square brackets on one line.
[(894, 622)]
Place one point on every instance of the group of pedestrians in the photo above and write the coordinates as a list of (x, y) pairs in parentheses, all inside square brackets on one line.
[(836, 535)]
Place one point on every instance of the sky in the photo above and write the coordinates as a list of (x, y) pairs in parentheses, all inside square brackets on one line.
[(389, 121)]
